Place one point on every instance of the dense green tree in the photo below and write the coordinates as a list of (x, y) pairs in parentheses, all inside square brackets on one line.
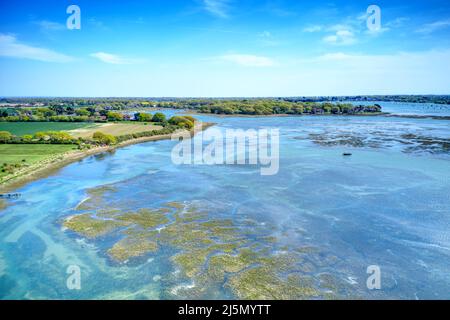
[(159, 117), (114, 116), (143, 117), (82, 112)]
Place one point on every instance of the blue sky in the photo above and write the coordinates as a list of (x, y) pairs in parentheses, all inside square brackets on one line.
[(223, 48)]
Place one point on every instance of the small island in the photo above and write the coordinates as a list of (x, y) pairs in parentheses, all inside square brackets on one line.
[(282, 107)]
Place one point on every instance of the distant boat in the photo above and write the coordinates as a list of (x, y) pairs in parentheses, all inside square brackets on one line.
[(346, 154)]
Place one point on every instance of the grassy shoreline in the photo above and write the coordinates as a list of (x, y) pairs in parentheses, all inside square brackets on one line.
[(44, 168)]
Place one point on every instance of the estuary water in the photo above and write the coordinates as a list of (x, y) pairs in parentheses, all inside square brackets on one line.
[(387, 205)]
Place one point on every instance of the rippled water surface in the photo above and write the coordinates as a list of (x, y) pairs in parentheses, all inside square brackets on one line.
[(330, 216)]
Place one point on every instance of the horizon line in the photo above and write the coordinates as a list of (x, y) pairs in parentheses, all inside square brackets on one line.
[(227, 97)]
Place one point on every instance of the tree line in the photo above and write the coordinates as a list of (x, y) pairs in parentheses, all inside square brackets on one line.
[(265, 107), (112, 112)]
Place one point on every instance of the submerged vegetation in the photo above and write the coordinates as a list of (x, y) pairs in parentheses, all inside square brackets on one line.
[(212, 252), (91, 227), (408, 142)]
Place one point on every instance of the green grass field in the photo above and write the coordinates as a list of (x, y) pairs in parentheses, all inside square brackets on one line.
[(21, 128), (12, 154)]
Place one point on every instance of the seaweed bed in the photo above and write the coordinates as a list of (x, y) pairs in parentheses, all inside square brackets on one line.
[(408, 142), (212, 253)]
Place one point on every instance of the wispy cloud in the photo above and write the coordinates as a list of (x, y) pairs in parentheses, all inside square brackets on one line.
[(434, 26), (10, 47), (376, 32), (114, 59), (266, 39), (311, 29), (97, 24), (339, 34), (335, 56), (397, 22), (50, 25), (248, 60), (349, 30), (341, 37), (412, 61), (418, 72), (275, 8), (218, 8)]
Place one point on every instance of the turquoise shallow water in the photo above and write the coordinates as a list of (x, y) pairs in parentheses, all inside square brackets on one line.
[(387, 205)]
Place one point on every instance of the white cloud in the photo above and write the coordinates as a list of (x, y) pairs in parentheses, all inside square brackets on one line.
[(218, 8), (435, 26), (248, 60), (267, 39), (397, 22), (50, 25), (97, 24), (375, 32), (408, 66), (341, 37), (416, 59), (333, 57), (340, 73), (113, 58), (10, 47), (312, 29), (265, 34)]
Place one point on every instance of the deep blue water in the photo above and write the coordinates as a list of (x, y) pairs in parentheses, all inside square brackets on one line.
[(386, 205)]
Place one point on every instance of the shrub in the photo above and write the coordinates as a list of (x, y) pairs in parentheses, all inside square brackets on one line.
[(5, 136), (58, 137), (181, 122), (102, 138), (191, 119)]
